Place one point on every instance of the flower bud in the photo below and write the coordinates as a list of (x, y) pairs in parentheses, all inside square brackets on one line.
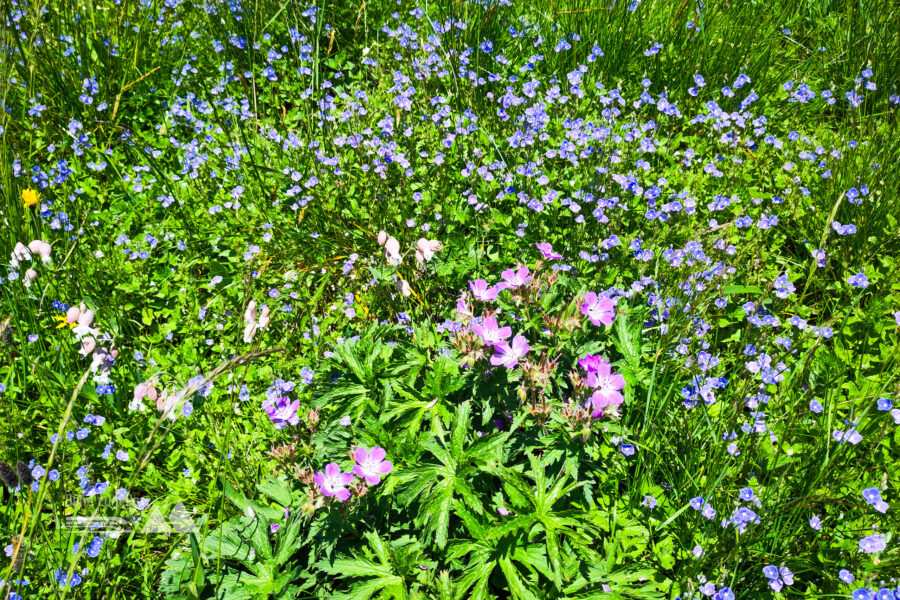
[(20, 252), (392, 251), (403, 287), (86, 318), (250, 312), (88, 344)]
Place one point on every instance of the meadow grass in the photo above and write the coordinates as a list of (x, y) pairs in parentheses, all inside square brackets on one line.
[(450, 299)]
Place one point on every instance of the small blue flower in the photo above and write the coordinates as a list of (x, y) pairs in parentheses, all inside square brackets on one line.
[(93, 549), (859, 280)]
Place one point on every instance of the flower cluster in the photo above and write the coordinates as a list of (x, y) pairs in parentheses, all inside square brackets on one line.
[(369, 465)]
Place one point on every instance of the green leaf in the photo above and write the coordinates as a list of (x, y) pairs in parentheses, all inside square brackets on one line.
[(277, 490), (517, 586)]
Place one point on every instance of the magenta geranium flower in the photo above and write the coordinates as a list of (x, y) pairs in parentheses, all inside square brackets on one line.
[(514, 278), (370, 464), (601, 311), (606, 386), (590, 363), (482, 291), (547, 252), (282, 411), (490, 333), (333, 483), (508, 355)]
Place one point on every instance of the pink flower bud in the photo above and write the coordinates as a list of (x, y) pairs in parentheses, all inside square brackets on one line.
[(403, 287), (20, 252), (30, 275), (382, 237), (41, 248), (392, 251), (44, 250), (72, 315), (88, 345), (86, 318), (250, 313), (425, 249)]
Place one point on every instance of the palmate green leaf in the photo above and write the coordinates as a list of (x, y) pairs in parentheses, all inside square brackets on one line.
[(477, 530), (475, 577), (256, 531), (444, 378), (348, 399), (466, 492), (553, 552), (433, 485), (287, 540), (175, 576), (518, 523), (277, 490), (537, 512), (460, 428), (355, 567), (628, 328), (419, 480), (517, 586), (393, 586), (238, 586), (406, 406), (345, 354), (379, 574), (227, 543), (442, 454), (439, 511)]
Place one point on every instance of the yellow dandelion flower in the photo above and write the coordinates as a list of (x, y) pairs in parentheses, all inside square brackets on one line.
[(30, 197), (63, 322)]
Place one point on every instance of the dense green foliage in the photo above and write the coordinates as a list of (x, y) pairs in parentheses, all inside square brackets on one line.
[(450, 299)]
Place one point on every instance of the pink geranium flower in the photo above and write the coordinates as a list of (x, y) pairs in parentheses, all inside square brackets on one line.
[(282, 411), (491, 333), (333, 483), (370, 464), (482, 291), (514, 278), (508, 355), (547, 252), (601, 311), (606, 386), (591, 362)]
